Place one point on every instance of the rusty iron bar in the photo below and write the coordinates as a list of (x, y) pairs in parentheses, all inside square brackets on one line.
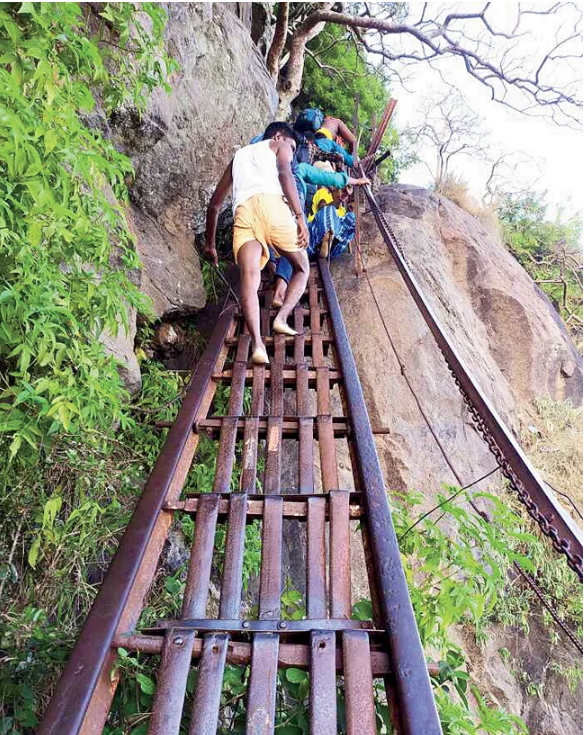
[(358, 684), (261, 703), (239, 653), (316, 557), (177, 653), (416, 706), (271, 625), (380, 132), (66, 709), (540, 502), (340, 555), (323, 683)]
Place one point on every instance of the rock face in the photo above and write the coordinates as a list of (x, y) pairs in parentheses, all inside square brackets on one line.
[(516, 348), (504, 327), (121, 346), (221, 96)]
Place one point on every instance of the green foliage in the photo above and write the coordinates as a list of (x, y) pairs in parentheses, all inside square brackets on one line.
[(459, 578), (559, 584), (335, 74), (335, 89), (66, 514), (132, 701), (65, 248), (68, 438), (550, 251)]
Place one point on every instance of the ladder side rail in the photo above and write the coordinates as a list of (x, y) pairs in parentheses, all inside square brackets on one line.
[(415, 700), (67, 707)]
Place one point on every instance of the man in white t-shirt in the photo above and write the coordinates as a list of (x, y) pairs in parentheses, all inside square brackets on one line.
[(267, 214)]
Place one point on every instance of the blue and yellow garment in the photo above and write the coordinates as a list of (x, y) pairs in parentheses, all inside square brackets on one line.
[(323, 196), (326, 132)]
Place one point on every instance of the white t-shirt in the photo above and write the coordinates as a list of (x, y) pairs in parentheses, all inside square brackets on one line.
[(254, 171)]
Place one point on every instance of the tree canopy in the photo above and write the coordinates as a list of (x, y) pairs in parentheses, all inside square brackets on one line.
[(336, 76), (527, 58)]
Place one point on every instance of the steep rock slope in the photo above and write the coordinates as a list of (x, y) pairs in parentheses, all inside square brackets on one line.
[(221, 96), (516, 348), (502, 324)]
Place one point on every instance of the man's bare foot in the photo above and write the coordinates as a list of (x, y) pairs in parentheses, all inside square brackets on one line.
[(280, 327), (260, 356)]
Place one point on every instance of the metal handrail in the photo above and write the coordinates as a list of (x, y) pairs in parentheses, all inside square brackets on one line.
[(416, 707), (541, 503), (69, 703)]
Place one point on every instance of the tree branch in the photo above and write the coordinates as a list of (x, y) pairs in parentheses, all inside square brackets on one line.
[(279, 41), (502, 74)]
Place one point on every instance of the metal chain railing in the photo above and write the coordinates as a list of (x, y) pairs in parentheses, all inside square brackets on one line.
[(570, 547)]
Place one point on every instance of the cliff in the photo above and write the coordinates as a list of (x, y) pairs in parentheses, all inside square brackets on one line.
[(510, 336), (504, 326)]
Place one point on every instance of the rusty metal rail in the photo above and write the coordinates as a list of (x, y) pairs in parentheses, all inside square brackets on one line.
[(540, 502), (297, 439)]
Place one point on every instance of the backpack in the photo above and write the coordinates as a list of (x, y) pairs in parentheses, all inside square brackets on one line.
[(302, 151), (310, 119)]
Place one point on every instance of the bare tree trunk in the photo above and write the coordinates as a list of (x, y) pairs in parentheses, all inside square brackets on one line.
[(290, 79), (279, 41)]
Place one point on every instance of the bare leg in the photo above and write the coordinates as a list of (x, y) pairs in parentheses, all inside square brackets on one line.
[(279, 292), (295, 289), (248, 260)]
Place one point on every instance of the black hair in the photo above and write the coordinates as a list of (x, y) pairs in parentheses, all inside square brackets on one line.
[(309, 136), (283, 128)]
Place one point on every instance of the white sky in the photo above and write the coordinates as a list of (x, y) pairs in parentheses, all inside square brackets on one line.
[(559, 151)]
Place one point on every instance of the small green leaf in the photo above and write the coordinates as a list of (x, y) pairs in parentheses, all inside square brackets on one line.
[(296, 676), (15, 446), (33, 552), (52, 507), (147, 684)]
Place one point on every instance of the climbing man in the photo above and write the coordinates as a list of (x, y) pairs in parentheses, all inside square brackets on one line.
[(267, 214), (326, 139)]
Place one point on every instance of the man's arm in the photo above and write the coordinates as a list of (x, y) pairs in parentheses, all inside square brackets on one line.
[(338, 180), (283, 159), (217, 199), (318, 177), (348, 136)]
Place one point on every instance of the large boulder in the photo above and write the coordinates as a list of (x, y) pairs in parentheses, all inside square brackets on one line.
[(502, 324), (221, 96), (510, 337)]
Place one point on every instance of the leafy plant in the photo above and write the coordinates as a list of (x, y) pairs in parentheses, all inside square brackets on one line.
[(550, 251), (65, 247)]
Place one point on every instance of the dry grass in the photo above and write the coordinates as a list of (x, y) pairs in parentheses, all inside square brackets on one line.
[(456, 190), (554, 445)]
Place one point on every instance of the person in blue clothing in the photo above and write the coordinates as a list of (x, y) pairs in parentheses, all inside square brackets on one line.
[(330, 226), (317, 176), (326, 139)]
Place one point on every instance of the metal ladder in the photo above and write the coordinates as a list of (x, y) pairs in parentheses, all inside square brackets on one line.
[(307, 409)]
